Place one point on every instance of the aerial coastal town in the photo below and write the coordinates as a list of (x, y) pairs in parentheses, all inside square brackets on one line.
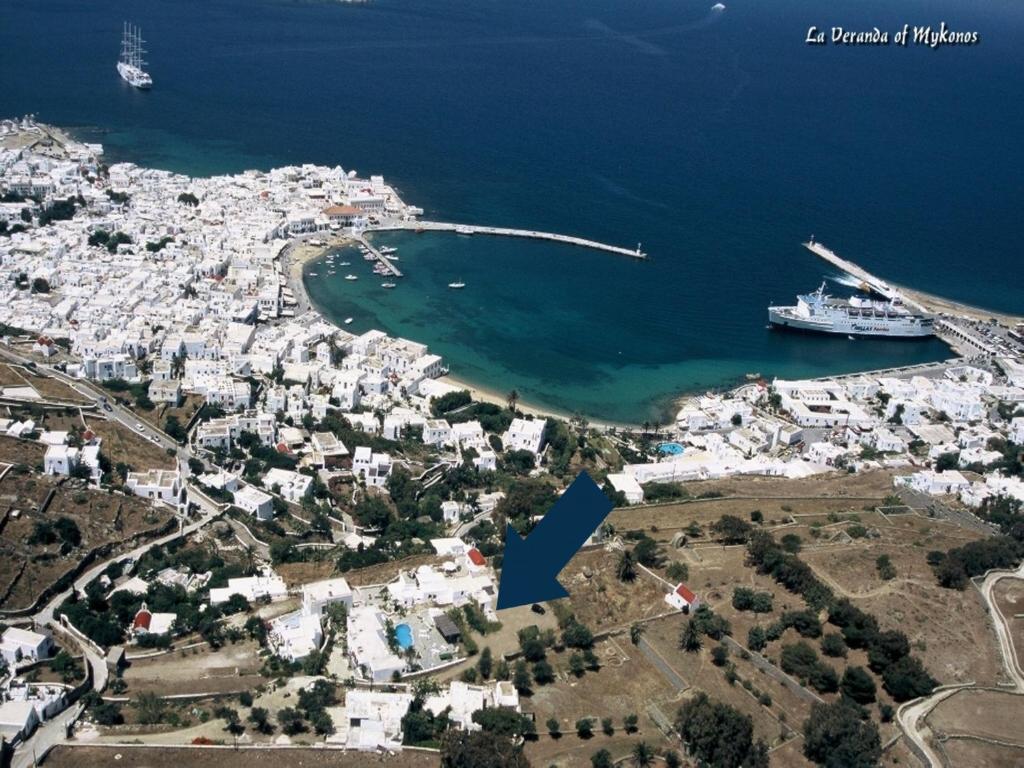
[(228, 522)]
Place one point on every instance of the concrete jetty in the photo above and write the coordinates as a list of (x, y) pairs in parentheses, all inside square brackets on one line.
[(876, 284), (380, 257), (473, 229)]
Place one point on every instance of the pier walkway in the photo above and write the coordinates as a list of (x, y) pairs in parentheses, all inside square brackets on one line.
[(472, 229), (876, 284), (380, 257)]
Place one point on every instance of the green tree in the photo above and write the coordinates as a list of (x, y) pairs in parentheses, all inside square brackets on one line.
[(835, 735), (642, 754), (543, 673), (858, 685), (626, 568), (636, 631), (690, 639), (584, 728), (485, 664)]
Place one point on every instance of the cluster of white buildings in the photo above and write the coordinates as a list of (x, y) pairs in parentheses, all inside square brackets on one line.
[(797, 428), (180, 283)]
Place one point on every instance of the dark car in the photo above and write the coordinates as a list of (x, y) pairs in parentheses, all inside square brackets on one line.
[(538, 608)]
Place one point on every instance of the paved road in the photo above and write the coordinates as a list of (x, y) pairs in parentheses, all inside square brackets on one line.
[(54, 731)]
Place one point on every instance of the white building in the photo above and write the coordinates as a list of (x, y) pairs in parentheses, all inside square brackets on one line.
[(524, 435), (372, 720), (464, 699), (627, 485), (254, 501), (60, 460), (18, 645), (161, 484), (295, 635), (265, 585), (374, 468), (293, 486), (368, 645), (934, 483), (320, 594)]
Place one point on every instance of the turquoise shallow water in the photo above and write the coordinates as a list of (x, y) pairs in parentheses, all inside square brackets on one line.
[(720, 141)]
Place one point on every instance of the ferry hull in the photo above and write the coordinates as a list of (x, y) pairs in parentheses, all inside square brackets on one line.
[(909, 328)]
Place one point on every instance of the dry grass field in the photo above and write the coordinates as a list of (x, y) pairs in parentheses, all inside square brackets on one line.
[(1009, 597), (229, 669), (989, 714), (627, 683), (102, 518), (121, 444), (601, 601), (166, 757), (980, 754)]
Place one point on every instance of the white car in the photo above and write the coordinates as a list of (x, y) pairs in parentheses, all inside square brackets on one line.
[(139, 427)]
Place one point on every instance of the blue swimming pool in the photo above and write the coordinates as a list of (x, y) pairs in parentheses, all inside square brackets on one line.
[(673, 449), (403, 634)]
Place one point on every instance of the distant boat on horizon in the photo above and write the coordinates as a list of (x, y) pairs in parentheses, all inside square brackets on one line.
[(130, 66)]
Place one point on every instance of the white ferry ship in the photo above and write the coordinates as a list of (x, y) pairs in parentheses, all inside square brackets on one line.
[(856, 316), (130, 66)]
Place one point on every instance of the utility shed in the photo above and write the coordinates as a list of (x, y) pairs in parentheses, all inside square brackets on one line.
[(449, 629)]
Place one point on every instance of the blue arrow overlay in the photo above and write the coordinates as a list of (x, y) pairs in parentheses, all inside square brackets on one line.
[(530, 567)]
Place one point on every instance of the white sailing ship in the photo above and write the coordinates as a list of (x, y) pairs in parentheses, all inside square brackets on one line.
[(131, 66)]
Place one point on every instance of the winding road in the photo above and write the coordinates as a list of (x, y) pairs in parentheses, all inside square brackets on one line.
[(54, 731), (911, 715)]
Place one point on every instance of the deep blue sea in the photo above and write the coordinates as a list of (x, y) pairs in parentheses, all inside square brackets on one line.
[(719, 140)]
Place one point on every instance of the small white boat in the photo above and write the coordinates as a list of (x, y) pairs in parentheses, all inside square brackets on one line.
[(851, 338), (386, 250), (348, 321), (344, 263), (464, 230), (387, 285), (457, 285), (312, 274), (351, 277)]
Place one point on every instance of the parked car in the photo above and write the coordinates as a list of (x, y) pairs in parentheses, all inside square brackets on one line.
[(538, 608)]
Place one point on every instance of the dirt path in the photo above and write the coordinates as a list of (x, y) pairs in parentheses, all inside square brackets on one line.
[(911, 716)]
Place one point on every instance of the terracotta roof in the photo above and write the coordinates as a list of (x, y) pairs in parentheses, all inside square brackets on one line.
[(685, 593), (142, 619), (475, 557), (342, 210)]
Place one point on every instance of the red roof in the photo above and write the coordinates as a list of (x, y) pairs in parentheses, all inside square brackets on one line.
[(142, 619), (342, 210), (475, 557), (685, 593), (283, 448), (88, 435)]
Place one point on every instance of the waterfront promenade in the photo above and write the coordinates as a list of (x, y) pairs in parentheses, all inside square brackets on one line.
[(473, 229)]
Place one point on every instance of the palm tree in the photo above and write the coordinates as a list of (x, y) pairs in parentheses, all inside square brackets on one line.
[(512, 399), (689, 638), (626, 570), (643, 755), (636, 631)]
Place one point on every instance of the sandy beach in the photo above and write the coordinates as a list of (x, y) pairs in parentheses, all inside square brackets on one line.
[(294, 257)]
